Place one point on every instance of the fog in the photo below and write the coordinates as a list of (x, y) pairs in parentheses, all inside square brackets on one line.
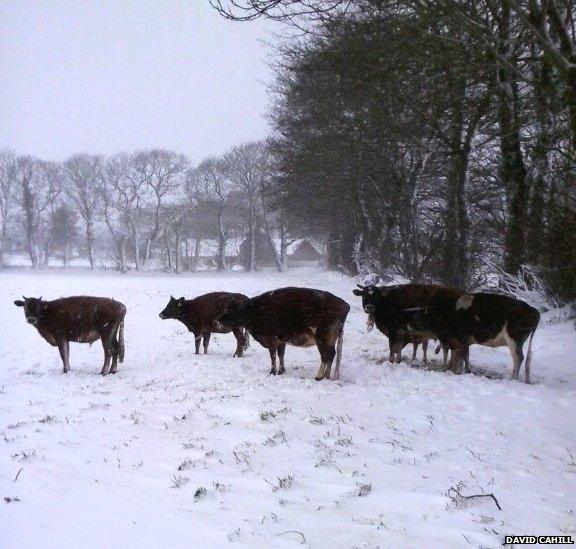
[(107, 76)]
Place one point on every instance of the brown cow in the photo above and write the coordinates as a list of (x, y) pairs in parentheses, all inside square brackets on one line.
[(199, 314), (415, 339), (392, 308), (82, 319), (493, 320), (298, 316)]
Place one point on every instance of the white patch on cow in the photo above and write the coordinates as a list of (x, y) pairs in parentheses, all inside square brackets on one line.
[(500, 340), (464, 301), (312, 329), (370, 291)]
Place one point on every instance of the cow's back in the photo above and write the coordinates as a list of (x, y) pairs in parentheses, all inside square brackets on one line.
[(292, 310), (79, 318), (201, 312)]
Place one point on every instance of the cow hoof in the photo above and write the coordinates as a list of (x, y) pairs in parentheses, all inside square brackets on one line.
[(319, 378), (281, 372)]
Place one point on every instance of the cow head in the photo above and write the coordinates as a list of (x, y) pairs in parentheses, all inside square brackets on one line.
[(233, 316), (173, 309), (371, 296), (33, 308)]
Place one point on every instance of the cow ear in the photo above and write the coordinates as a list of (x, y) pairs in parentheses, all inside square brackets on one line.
[(181, 300), (357, 292), (19, 303)]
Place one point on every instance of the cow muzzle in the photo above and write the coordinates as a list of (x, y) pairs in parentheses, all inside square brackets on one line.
[(161, 315), (369, 308), (32, 320)]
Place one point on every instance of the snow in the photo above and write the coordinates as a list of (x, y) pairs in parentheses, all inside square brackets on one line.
[(363, 462)]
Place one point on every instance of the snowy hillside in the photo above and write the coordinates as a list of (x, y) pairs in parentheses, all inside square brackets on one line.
[(179, 450)]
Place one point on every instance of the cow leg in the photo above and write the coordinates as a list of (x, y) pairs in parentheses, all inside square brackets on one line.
[(197, 340), (281, 351), (397, 351), (64, 348), (457, 359), (240, 341), (206, 341), (414, 350), (108, 351), (272, 351), (445, 356), (115, 350), (326, 342), (517, 357), (425, 350), (467, 368)]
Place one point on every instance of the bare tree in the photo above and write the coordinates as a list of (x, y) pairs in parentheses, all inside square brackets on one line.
[(160, 172), (208, 186), (7, 198), (35, 194), (248, 167), (83, 173)]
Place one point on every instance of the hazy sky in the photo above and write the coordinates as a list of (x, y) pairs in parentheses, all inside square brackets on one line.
[(105, 76)]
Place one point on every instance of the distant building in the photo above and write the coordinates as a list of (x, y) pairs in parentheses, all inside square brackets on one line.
[(305, 252)]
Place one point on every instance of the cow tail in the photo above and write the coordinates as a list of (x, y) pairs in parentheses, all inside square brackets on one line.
[(339, 351), (246, 339), (121, 347)]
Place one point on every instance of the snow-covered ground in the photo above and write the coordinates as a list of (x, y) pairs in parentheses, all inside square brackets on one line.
[(179, 450)]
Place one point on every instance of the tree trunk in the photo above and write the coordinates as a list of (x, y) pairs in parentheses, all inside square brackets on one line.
[(3, 241), (178, 252), (252, 250), (513, 171), (196, 253), (168, 250), (283, 245), (222, 239), (47, 247), (136, 245), (90, 243), (66, 254)]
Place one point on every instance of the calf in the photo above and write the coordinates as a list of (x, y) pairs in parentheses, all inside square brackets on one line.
[(416, 340), (392, 308), (492, 320), (82, 319), (299, 316), (199, 314)]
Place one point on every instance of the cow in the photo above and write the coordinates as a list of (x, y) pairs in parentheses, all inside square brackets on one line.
[(393, 307), (488, 319), (416, 341), (81, 319), (199, 314), (297, 316)]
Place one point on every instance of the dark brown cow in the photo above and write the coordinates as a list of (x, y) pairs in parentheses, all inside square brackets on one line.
[(82, 319), (415, 339), (299, 316), (199, 314), (393, 308), (492, 320)]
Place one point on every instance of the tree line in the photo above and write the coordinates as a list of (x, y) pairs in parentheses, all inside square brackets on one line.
[(132, 207), (432, 138)]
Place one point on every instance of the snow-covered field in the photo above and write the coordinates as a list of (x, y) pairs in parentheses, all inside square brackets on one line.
[(179, 450)]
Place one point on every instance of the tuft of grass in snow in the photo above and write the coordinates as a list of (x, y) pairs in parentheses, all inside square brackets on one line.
[(363, 489), (199, 493), (284, 483), (179, 481)]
